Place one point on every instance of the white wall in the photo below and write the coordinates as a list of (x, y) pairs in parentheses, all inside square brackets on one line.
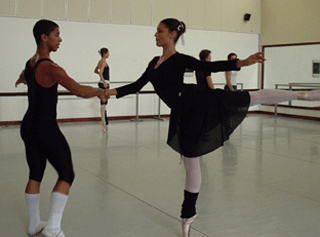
[(131, 48)]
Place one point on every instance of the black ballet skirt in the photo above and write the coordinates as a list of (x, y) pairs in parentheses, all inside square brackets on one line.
[(205, 120), (201, 119)]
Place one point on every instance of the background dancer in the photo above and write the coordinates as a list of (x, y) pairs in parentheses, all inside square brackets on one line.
[(103, 70), (231, 76)]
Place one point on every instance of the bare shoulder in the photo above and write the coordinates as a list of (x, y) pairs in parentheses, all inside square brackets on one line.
[(49, 67), (50, 73), (102, 63)]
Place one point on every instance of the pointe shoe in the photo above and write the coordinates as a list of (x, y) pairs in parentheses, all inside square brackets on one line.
[(104, 127), (37, 230), (186, 225), (47, 233), (313, 95)]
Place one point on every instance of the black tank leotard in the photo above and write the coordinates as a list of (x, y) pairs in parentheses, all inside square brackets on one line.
[(40, 132), (105, 73)]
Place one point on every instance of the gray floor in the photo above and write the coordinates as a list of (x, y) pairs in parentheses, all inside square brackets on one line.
[(265, 181)]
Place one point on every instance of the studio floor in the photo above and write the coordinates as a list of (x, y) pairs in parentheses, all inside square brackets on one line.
[(264, 182)]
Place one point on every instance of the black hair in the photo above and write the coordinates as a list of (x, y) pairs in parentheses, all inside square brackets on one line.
[(175, 25), (43, 27), (204, 54), (230, 55), (102, 51)]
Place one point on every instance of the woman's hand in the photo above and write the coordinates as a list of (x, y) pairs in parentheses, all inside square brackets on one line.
[(21, 79), (105, 84), (252, 59)]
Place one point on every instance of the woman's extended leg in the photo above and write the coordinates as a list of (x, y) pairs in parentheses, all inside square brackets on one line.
[(191, 192), (273, 96)]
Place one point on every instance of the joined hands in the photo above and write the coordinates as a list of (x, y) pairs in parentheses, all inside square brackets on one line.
[(105, 96)]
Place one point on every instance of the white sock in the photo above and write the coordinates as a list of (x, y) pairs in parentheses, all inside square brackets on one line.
[(33, 201), (58, 203), (193, 174), (103, 114), (271, 96)]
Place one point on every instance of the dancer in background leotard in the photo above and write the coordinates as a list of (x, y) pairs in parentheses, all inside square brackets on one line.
[(40, 132), (103, 70)]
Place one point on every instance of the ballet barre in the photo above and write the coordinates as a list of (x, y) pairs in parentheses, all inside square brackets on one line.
[(127, 82), (223, 84), (136, 119), (290, 87), (158, 117), (111, 82), (13, 94), (67, 93)]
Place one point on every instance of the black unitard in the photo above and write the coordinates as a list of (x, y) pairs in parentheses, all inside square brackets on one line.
[(40, 132), (106, 73), (201, 118)]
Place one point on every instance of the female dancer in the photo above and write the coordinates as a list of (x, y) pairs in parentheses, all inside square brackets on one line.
[(231, 76), (40, 132), (201, 118), (204, 77), (103, 69)]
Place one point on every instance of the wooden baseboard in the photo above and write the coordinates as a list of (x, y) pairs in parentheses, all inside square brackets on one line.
[(69, 120), (293, 107), (286, 115)]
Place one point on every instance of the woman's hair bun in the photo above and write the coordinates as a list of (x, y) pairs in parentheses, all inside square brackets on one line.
[(181, 28), (175, 25)]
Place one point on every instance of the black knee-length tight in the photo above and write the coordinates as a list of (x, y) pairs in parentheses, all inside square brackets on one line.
[(44, 143)]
